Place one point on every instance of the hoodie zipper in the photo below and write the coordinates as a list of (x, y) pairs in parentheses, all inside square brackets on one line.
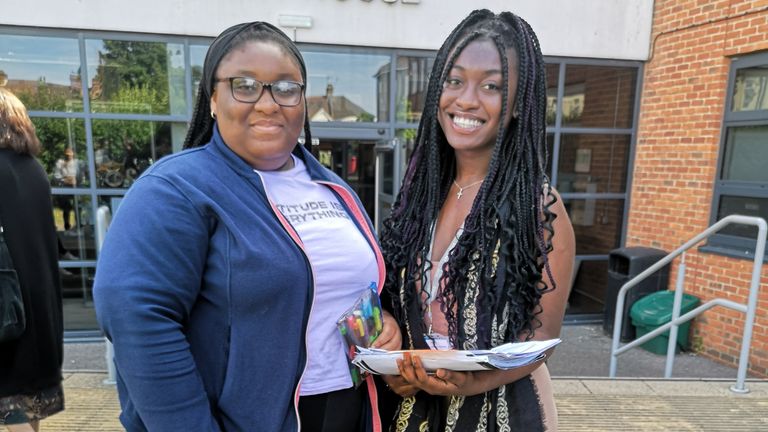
[(295, 237)]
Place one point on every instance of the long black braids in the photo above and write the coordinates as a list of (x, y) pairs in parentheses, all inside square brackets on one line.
[(202, 124), (510, 213)]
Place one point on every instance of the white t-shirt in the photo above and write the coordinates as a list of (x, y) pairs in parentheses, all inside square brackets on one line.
[(343, 266)]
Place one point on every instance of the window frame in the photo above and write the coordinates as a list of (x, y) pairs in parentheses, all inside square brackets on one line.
[(725, 244)]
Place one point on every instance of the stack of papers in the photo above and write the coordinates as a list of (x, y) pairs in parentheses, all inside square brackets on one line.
[(507, 356)]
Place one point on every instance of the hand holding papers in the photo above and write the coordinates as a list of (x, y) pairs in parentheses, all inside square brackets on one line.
[(507, 356)]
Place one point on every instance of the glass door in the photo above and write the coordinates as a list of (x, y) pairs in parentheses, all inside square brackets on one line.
[(353, 161), (389, 155)]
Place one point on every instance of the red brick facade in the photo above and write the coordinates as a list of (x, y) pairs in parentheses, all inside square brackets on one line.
[(678, 143)]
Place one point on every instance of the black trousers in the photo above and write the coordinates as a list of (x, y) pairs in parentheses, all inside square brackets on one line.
[(338, 411)]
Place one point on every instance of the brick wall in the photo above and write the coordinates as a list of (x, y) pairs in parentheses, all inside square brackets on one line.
[(679, 133)]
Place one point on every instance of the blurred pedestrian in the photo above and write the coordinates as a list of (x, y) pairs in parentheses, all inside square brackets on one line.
[(30, 366)]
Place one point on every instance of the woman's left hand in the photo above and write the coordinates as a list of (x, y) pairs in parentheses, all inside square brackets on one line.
[(390, 338)]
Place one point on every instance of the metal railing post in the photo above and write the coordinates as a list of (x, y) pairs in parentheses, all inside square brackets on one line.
[(676, 305), (749, 309), (749, 320)]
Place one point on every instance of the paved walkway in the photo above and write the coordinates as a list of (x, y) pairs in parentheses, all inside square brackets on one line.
[(583, 405)]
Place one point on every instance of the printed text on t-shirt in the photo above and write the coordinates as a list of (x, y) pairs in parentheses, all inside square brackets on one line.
[(311, 211)]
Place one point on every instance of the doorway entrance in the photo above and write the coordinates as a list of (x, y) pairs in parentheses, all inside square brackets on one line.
[(353, 161)]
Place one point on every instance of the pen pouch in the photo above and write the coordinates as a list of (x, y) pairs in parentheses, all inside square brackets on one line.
[(360, 325)]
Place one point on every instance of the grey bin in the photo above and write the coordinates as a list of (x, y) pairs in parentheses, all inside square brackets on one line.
[(623, 265)]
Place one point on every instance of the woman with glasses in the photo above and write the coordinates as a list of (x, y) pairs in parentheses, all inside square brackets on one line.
[(227, 265)]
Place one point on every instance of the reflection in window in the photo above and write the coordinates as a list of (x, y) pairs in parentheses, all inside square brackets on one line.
[(412, 78), (123, 149), (354, 162), (553, 71), (599, 96), (346, 87), (591, 163), (77, 302), (74, 221), (597, 224), (408, 141), (136, 77), (43, 72), (196, 61), (589, 287), (64, 154), (747, 206), (746, 151), (751, 89), (550, 155), (741, 187)]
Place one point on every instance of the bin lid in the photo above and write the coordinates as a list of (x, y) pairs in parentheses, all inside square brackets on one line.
[(656, 309)]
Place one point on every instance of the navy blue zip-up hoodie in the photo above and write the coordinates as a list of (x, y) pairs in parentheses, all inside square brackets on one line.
[(205, 293)]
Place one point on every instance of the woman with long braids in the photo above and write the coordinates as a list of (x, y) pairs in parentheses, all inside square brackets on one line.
[(478, 247), (218, 254)]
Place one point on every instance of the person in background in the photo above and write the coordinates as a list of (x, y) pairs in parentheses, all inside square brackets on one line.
[(227, 265), (479, 248), (68, 172), (30, 366)]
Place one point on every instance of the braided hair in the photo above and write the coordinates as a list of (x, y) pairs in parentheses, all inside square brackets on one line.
[(507, 234), (202, 124)]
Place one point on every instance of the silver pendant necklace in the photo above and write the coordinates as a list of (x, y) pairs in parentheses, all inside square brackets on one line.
[(461, 189)]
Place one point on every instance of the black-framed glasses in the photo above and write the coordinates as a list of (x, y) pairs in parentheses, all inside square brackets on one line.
[(249, 90)]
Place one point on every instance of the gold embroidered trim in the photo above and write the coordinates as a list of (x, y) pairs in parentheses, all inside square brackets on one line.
[(454, 409), (482, 421), (502, 411), (470, 306), (405, 411)]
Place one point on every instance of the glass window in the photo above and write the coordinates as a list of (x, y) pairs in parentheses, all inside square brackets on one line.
[(77, 302), (123, 149), (44, 72), (354, 162), (589, 287), (597, 224), (741, 187), (591, 163), (746, 153), (64, 155), (347, 87), (412, 79), (599, 96), (553, 71), (550, 154), (407, 139), (747, 206), (73, 217), (751, 89), (136, 77), (387, 175), (196, 62)]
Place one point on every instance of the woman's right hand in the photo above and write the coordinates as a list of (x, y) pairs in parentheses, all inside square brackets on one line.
[(397, 384)]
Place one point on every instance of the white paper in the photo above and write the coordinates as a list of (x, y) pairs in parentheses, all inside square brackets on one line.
[(507, 356)]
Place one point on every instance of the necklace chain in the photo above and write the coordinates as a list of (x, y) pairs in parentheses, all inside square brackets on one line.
[(461, 189)]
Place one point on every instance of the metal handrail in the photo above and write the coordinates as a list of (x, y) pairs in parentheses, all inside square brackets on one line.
[(749, 309)]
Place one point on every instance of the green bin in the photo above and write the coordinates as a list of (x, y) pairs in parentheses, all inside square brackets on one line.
[(655, 310)]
